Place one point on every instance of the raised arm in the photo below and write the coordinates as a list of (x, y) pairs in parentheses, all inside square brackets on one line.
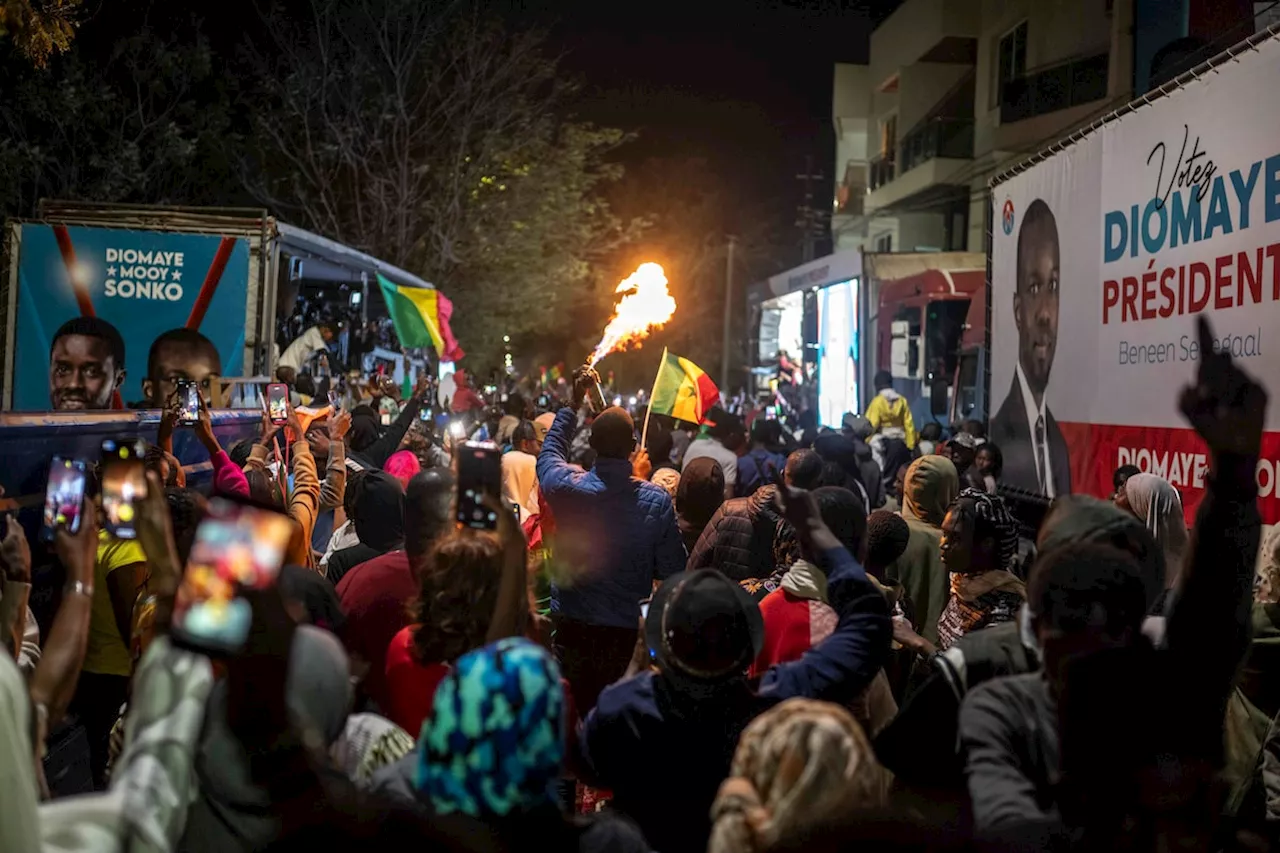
[(840, 667), (334, 486), (54, 681), (227, 478), (1209, 625), (380, 451), (553, 461)]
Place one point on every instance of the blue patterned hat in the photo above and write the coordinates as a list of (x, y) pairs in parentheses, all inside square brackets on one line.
[(494, 742)]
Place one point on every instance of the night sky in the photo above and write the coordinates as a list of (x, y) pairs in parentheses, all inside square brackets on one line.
[(745, 85)]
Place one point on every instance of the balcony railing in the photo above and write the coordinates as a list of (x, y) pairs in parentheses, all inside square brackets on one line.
[(1058, 87), (938, 137), (852, 191), (880, 171)]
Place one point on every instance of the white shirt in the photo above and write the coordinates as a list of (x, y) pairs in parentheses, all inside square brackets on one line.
[(300, 351), (1043, 469), (711, 448)]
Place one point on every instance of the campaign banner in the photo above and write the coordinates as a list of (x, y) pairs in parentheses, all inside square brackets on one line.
[(111, 316), (1104, 253)]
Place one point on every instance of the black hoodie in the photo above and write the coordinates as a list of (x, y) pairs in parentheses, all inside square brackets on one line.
[(378, 515)]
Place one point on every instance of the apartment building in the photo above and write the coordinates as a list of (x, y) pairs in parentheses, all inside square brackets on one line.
[(956, 91)]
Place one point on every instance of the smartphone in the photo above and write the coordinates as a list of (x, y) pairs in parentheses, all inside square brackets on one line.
[(64, 497), (236, 544), (124, 484), (335, 400), (278, 403), (479, 473), (188, 402), (644, 607), (425, 414)]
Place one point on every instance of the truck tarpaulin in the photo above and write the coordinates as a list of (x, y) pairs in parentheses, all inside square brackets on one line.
[(1103, 253)]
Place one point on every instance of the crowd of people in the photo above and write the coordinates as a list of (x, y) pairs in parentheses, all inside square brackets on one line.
[(732, 638)]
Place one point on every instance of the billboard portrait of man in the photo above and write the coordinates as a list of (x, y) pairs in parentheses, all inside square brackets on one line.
[(1035, 452), (176, 355), (86, 365)]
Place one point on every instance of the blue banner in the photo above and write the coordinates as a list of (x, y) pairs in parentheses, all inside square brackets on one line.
[(138, 310)]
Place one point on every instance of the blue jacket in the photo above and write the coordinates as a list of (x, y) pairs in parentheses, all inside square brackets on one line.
[(664, 754), (615, 534)]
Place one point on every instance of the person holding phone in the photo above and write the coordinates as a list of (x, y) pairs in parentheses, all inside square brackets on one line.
[(228, 478), (302, 501), (120, 574)]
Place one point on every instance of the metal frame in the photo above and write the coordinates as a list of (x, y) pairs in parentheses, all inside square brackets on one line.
[(1136, 104)]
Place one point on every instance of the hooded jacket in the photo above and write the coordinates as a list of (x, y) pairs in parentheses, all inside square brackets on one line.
[(738, 541), (930, 486), (379, 523), (699, 494)]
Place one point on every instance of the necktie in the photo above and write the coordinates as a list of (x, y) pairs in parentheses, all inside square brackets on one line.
[(1040, 471)]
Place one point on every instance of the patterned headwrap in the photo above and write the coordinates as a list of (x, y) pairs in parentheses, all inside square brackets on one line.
[(797, 765), (992, 510), (494, 742)]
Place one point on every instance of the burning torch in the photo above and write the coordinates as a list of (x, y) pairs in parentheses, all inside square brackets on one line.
[(645, 304)]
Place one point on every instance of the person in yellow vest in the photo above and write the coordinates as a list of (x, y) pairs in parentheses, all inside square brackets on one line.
[(889, 413)]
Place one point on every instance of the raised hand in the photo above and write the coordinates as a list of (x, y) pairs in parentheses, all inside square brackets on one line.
[(15, 553), (338, 425), (1225, 405), (641, 466)]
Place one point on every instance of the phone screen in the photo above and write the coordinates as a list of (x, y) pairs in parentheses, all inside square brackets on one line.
[(188, 402), (644, 609), (64, 497), (335, 400), (479, 473), (234, 544), (124, 483), (278, 403)]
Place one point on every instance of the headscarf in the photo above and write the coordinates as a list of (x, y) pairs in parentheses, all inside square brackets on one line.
[(929, 488), (402, 465), (797, 765), (232, 813), (1155, 502), (1080, 518), (519, 480), (992, 509), (494, 742), (379, 511)]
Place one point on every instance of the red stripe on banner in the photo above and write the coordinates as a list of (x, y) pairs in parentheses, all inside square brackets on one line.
[(1177, 454), (78, 287), (211, 279)]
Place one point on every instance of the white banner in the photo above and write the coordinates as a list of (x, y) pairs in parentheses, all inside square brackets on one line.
[(1102, 256)]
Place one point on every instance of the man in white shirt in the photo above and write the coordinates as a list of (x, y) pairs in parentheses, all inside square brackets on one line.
[(723, 440), (1034, 449), (298, 353)]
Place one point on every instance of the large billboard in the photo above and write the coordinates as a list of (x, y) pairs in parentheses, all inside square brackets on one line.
[(107, 317), (1102, 255)]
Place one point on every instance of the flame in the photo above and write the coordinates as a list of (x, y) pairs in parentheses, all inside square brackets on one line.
[(645, 305)]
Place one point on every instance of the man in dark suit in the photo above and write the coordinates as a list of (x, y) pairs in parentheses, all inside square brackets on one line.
[(1035, 453)]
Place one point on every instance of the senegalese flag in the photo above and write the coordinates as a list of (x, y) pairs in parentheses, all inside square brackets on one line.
[(421, 317), (682, 390)]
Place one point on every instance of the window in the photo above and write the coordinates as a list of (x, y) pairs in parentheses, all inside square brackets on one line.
[(884, 243), (1011, 61)]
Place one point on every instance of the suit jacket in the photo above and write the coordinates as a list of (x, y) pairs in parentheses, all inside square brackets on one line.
[(1012, 434)]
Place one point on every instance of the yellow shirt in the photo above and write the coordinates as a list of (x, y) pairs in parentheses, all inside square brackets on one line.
[(106, 653)]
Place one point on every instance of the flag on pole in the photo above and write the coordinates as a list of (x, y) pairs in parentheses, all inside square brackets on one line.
[(421, 317), (682, 390)]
